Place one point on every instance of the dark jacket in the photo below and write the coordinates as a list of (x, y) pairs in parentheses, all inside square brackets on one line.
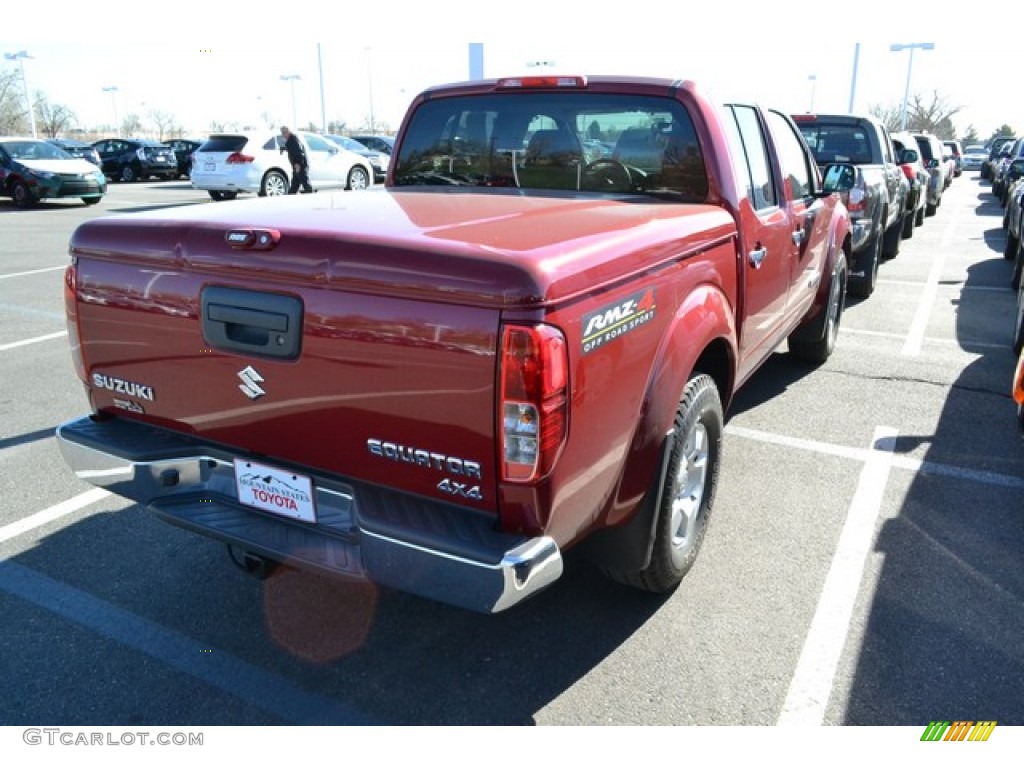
[(296, 152)]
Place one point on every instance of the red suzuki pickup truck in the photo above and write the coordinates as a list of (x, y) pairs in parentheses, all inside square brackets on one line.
[(525, 343)]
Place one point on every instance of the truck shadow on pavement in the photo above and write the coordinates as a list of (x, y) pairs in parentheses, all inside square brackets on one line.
[(375, 656), (944, 638)]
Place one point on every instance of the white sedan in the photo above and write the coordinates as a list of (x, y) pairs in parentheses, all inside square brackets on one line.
[(253, 162)]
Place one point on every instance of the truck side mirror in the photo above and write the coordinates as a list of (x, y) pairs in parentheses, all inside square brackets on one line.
[(839, 177)]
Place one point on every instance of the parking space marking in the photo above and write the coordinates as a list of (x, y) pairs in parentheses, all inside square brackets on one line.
[(55, 512), (961, 284), (864, 454), (919, 325), (31, 272), (35, 340), (267, 691), (811, 686), (927, 339)]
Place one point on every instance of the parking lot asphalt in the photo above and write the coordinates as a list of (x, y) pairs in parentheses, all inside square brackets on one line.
[(863, 564)]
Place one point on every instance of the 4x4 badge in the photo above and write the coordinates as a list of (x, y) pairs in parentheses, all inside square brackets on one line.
[(251, 383)]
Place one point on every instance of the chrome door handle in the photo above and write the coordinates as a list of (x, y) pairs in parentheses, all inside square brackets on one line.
[(757, 256)]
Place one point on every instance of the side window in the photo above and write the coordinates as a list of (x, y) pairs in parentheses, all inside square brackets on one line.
[(751, 155), (793, 158), (272, 143), (315, 143)]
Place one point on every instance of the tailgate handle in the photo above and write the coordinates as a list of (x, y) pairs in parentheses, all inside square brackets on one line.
[(252, 322)]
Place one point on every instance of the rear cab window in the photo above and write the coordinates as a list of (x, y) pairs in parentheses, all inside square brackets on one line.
[(589, 142)]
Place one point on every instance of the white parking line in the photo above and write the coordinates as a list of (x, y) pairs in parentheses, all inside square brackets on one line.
[(912, 347), (811, 686), (928, 340), (37, 339), (260, 688), (864, 454), (55, 512), (31, 272)]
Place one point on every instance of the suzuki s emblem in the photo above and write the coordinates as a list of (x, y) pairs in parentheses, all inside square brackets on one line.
[(250, 385)]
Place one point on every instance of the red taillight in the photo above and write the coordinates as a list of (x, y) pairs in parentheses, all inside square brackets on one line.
[(543, 81), (534, 400), (71, 317), (908, 171), (237, 158)]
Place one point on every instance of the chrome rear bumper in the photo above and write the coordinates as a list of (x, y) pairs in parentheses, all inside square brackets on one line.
[(356, 534)]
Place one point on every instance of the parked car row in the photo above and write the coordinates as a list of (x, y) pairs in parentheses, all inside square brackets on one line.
[(901, 177), (254, 162), (33, 169)]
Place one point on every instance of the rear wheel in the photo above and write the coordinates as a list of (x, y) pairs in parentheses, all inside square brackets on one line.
[(816, 343), (908, 224), (128, 174), (358, 178), (1011, 245), (1018, 266), (864, 286), (688, 492), (217, 194), (892, 238), (274, 184), (91, 200), (919, 216), (1018, 328)]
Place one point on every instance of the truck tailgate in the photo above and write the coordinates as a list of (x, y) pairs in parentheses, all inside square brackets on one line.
[(277, 354)]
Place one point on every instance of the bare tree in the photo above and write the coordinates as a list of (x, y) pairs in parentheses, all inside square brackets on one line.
[(52, 119), (131, 125), (165, 122), (935, 116), (13, 115)]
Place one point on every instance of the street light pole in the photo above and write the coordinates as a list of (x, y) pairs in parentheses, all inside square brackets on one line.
[(20, 57), (292, 79), (112, 90), (369, 80), (910, 67), (814, 84)]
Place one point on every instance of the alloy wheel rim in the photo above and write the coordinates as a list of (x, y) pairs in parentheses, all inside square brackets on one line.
[(691, 479)]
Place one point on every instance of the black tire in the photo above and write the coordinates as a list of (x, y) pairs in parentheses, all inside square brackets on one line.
[(1018, 326), (1011, 246), (358, 178), (274, 184), (217, 194), (1018, 266), (892, 238), (22, 195), (919, 217), (91, 200), (909, 222), (128, 174), (930, 209), (862, 287), (688, 492), (816, 343)]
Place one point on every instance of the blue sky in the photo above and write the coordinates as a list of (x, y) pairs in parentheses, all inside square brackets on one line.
[(229, 68)]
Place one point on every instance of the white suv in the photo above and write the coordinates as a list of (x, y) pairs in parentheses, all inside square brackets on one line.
[(249, 161)]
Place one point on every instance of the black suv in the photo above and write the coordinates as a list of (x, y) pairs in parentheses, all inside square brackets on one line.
[(878, 200), (77, 148), (183, 149), (135, 159)]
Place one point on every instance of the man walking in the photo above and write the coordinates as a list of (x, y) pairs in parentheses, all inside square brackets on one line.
[(299, 161)]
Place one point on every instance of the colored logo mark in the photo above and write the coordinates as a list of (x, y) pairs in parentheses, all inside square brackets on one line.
[(959, 730)]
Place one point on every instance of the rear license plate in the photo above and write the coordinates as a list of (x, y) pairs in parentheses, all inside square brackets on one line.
[(275, 490), (210, 166)]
